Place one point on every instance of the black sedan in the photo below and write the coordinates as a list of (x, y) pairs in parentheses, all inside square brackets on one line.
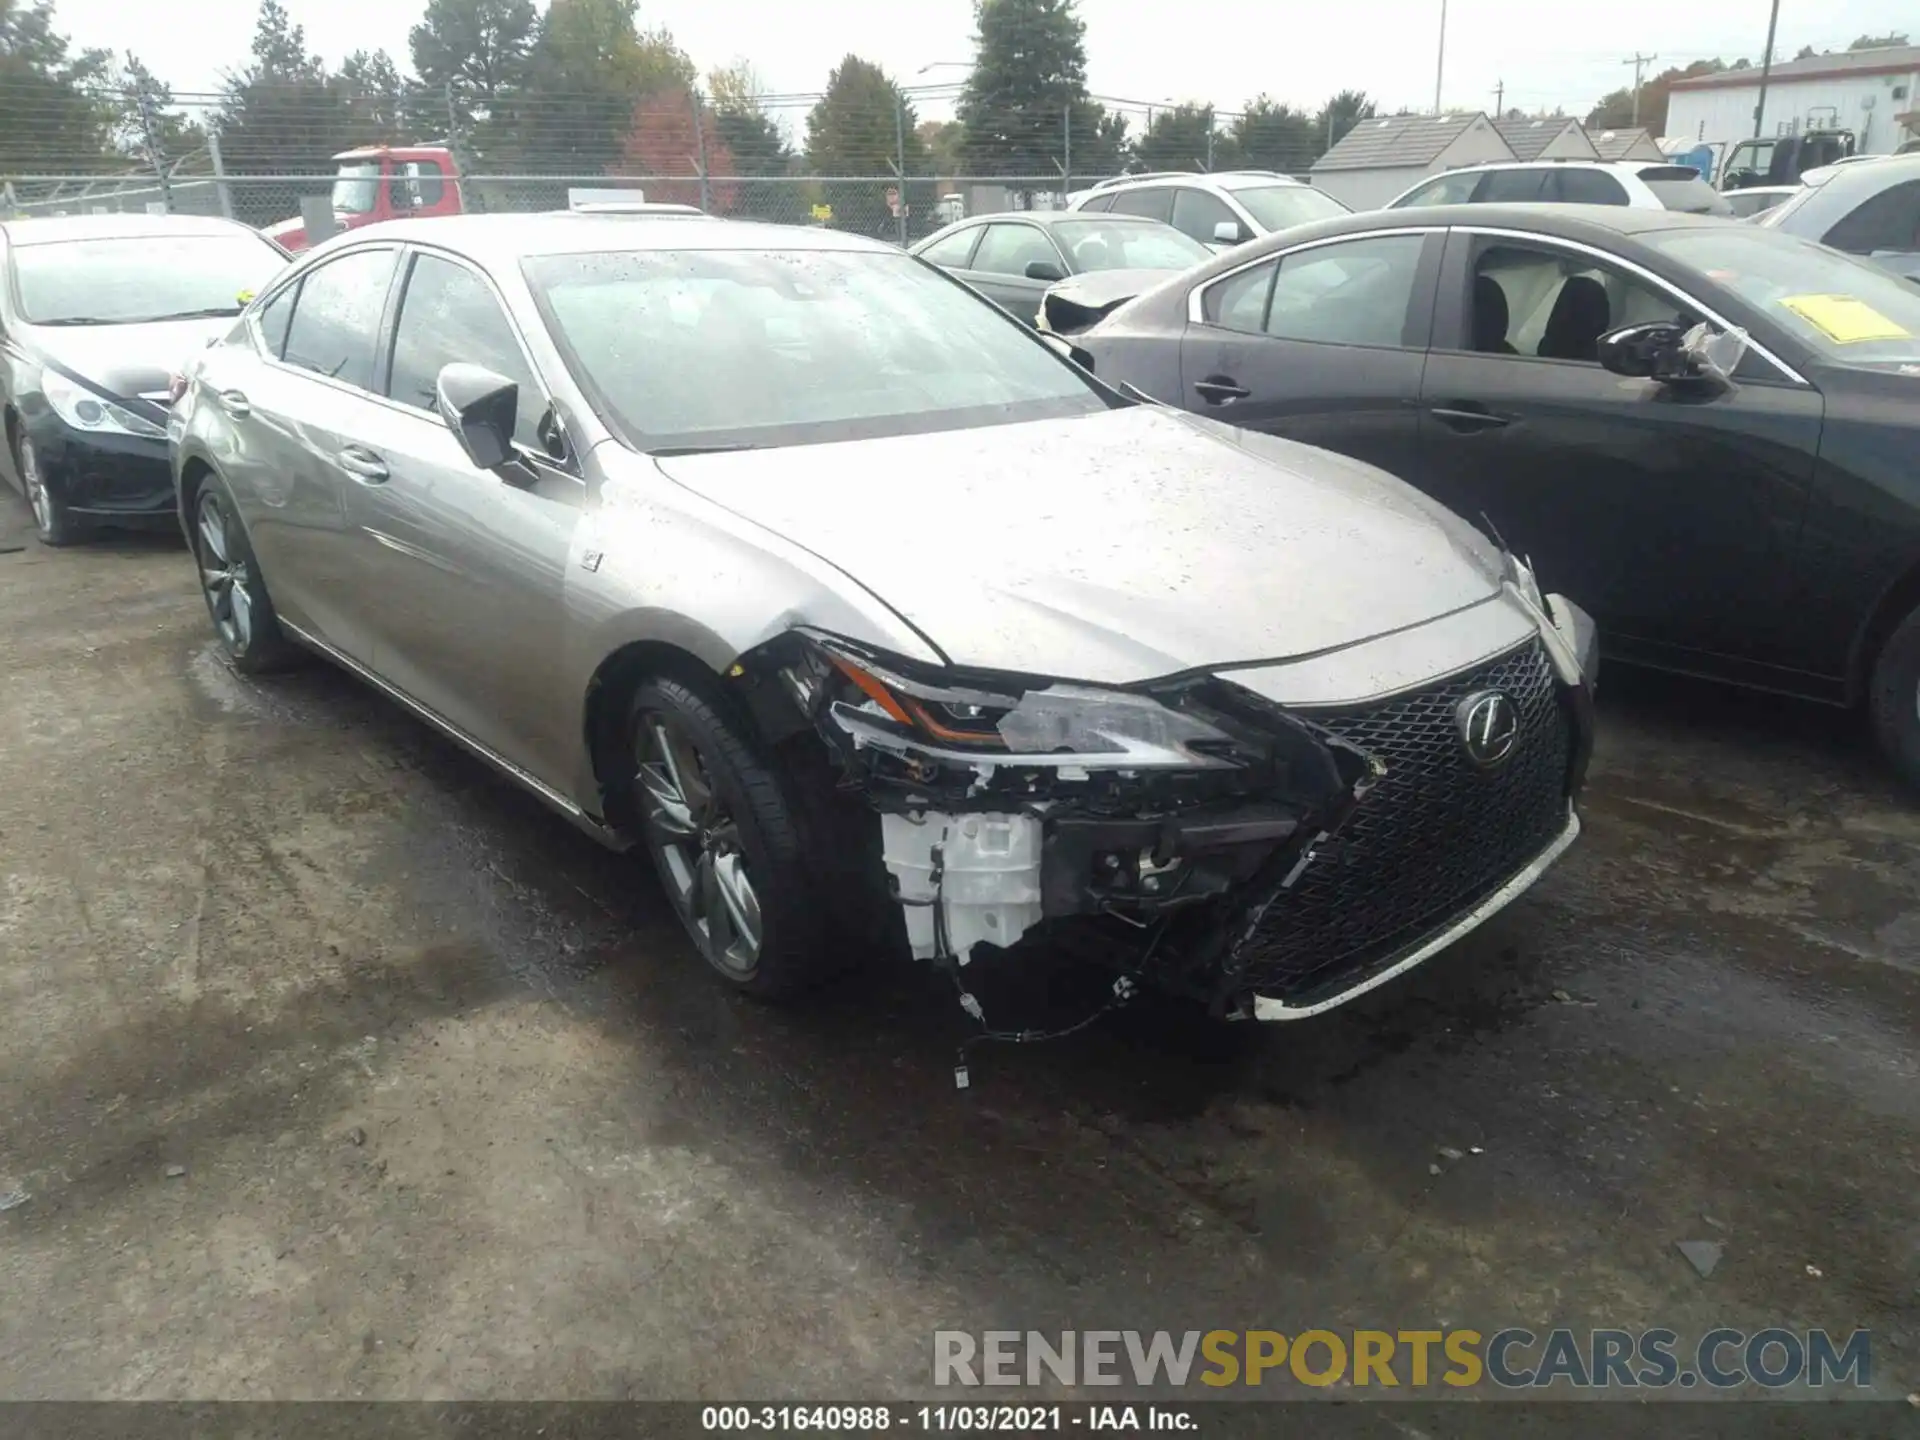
[(97, 314), (1526, 365), (1015, 258)]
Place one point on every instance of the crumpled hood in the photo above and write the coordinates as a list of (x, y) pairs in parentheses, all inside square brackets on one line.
[(1114, 547), (129, 360)]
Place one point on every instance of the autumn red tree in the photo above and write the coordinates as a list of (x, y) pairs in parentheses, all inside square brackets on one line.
[(663, 141)]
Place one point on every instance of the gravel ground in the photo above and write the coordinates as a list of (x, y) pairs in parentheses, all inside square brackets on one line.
[(331, 1066)]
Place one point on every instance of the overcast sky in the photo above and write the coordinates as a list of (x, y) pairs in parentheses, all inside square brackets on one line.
[(1145, 50)]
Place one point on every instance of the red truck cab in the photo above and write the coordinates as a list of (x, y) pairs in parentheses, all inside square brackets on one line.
[(383, 182)]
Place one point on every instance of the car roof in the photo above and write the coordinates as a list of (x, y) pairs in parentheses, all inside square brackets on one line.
[(55, 229), (502, 239), (1595, 224), (1058, 217), (1571, 162), (1207, 179)]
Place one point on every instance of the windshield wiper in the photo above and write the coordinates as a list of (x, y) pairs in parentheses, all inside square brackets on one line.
[(78, 320), (212, 312), (716, 449)]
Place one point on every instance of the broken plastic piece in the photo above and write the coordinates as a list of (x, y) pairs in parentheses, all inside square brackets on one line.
[(963, 879)]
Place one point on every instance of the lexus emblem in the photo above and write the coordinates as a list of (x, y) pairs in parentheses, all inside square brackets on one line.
[(1489, 727)]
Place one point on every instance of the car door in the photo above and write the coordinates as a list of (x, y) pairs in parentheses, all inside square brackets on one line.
[(1323, 344), (1668, 513), (294, 394), (1201, 214), (468, 567), (998, 268)]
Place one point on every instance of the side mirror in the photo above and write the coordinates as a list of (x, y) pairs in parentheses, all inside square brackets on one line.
[(1045, 270), (480, 408), (1645, 352), (1227, 232)]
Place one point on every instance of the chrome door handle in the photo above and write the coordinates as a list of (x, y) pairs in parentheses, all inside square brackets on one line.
[(363, 465), (234, 402)]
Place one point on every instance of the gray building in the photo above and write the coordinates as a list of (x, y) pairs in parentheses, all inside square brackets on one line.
[(1380, 157), (1558, 137), (1627, 144)]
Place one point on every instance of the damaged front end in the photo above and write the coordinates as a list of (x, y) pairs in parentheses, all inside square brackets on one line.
[(1158, 821)]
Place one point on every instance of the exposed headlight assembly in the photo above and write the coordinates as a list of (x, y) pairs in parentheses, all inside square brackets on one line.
[(1001, 719), (85, 410)]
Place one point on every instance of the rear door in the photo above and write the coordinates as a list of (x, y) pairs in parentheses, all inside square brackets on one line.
[(1669, 514), (1323, 344), (999, 265), (468, 567), (293, 401)]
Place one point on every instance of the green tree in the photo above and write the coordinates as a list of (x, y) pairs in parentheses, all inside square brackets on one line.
[(1616, 110), (756, 143), (1101, 145), (283, 114), (1273, 136), (152, 131), (589, 67), (1186, 137), (1877, 42), (855, 136), (1339, 115), (375, 96), (470, 55), (52, 120), (1029, 77)]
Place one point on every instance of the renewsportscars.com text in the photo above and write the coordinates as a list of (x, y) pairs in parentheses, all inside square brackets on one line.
[(1513, 1359)]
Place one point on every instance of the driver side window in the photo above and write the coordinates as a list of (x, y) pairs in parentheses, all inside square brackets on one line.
[(1529, 301), (449, 314)]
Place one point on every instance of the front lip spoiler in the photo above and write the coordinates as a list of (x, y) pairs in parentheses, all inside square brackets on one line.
[(1266, 1008)]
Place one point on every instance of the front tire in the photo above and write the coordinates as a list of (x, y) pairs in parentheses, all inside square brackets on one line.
[(53, 522), (725, 840), (230, 582), (1893, 698)]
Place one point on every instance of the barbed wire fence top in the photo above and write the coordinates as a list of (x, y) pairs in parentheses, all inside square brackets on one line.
[(864, 161)]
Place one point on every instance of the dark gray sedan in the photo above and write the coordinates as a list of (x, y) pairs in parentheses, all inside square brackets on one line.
[(1014, 258), (1871, 209)]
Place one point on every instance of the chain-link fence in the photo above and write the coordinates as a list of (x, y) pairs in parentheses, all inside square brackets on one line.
[(854, 159)]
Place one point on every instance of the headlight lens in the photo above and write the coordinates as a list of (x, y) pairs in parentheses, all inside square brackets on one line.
[(1052, 724), (85, 410)]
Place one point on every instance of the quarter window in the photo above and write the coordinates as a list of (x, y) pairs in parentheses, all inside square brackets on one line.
[(1589, 187), (450, 315), (1240, 301), (274, 318), (337, 317)]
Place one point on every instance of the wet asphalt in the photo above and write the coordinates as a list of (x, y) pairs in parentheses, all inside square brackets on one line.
[(332, 1066)]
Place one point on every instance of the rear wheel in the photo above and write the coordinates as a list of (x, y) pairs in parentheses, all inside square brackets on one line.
[(53, 522), (725, 841), (1894, 698), (236, 596)]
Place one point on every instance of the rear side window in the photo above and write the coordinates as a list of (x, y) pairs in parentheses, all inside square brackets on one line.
[(274, 318), (1589, 187), (337, 319), (1196, 213), (1679, 187), (1513, 187), (1889, 221), (1153, 201)]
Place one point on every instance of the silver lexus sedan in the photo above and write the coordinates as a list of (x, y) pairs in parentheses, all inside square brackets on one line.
[(869, 614)]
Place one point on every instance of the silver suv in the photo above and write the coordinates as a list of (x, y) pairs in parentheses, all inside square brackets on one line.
[(1637, 184), (1219, 209)]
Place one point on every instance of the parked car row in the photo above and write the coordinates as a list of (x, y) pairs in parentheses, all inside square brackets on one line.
[(628, 505)]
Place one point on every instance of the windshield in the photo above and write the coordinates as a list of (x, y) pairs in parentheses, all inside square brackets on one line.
[(1849, 311), (357, 189), (1279, 207), (726, 348), (135, 278), (1116, 245)]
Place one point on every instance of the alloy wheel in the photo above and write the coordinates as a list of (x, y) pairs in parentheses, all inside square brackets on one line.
[(36, 484), (224, 575), (697, 845)]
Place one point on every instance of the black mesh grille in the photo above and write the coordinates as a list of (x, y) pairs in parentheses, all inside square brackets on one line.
[(1431, 840)]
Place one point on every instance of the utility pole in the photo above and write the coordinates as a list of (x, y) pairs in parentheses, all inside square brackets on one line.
[(1499, 99), (1766, 68), (1440, 61), (1639, 63)]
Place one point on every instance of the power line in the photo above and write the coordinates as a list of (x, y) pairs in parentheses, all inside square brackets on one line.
[(1639, 63)]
